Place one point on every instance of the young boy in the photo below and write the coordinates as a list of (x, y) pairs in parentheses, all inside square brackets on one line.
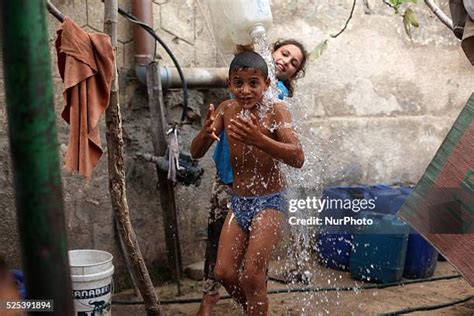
[(259, 139)]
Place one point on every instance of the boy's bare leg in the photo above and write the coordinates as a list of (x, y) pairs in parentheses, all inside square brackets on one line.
[(264, 236), (208, 302), (232, 244), (220, 197), (211, 286)]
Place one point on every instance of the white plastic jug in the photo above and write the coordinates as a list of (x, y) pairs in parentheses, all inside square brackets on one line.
[(236, 22), (469, 6)]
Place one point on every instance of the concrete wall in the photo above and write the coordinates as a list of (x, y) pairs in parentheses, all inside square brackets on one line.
[(377, 106)]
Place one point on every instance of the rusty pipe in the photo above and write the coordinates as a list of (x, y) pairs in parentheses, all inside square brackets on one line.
[(144, 45), (143, 42)]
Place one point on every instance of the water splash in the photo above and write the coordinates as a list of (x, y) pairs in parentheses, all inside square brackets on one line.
[(298, 266), (262, 47)]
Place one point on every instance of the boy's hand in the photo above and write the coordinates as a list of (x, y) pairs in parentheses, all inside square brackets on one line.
[(209, 124), (245, 131)]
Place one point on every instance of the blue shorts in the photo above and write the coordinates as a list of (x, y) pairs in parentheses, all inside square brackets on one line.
[(245, 208)]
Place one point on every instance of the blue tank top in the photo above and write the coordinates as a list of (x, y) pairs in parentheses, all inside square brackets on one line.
[(221, 155)]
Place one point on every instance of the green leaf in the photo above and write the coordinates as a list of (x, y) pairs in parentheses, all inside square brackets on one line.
[(318, 50), (396, 3), (409, 20), (411, 16), (406, 24)]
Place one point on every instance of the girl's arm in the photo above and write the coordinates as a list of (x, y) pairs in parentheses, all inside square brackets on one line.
[(287, 148), (213, 126)]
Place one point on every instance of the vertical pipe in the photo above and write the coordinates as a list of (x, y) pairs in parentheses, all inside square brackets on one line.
[(34, 152), (167, 197), (143, 42)]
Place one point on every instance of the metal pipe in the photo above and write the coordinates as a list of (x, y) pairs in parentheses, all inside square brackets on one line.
[(143, 42), (144, 51), (55, 12), (34, 152), (195, 77)]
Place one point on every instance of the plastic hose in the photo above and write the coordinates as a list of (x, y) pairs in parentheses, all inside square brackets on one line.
[(148, 28), (428, 307), (301, 290)]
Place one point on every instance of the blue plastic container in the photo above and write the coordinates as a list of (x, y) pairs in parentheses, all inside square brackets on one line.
[(396, 203), (20, 281), (334, 248), (421, 258), (406, 190), (379, 250), (384, 197)]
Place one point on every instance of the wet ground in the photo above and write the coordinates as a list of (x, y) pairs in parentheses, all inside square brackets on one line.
[(353, 302)]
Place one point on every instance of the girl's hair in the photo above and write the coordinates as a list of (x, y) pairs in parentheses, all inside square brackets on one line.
[(300, 72)]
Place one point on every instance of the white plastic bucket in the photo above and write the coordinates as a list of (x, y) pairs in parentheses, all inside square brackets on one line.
[(91, 274)]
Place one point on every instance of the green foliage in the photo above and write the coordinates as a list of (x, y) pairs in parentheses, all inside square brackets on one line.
[(409, 20), (318, 50), (409, 16), (395, 4)]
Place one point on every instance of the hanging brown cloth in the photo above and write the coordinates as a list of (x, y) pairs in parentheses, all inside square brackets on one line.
[(86, 65)]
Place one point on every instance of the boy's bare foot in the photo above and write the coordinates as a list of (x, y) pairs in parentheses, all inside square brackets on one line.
[(207, 304)]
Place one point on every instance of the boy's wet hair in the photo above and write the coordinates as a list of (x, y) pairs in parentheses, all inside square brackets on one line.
[(249, 60)]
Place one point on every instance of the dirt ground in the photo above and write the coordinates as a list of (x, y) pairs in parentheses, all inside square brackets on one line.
[(354, 302)]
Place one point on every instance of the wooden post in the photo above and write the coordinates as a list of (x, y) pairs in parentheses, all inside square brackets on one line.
[(117, 176), (167, 199)]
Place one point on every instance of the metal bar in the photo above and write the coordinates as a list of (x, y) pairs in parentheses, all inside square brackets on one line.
[(167, 198), (34, 152), (55, 12), (126, 259)]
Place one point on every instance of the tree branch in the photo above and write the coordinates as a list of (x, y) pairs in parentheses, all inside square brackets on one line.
[(117, 185), (390, 5), (439, 13), (367, 9), (347, 22), (55, 12)]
